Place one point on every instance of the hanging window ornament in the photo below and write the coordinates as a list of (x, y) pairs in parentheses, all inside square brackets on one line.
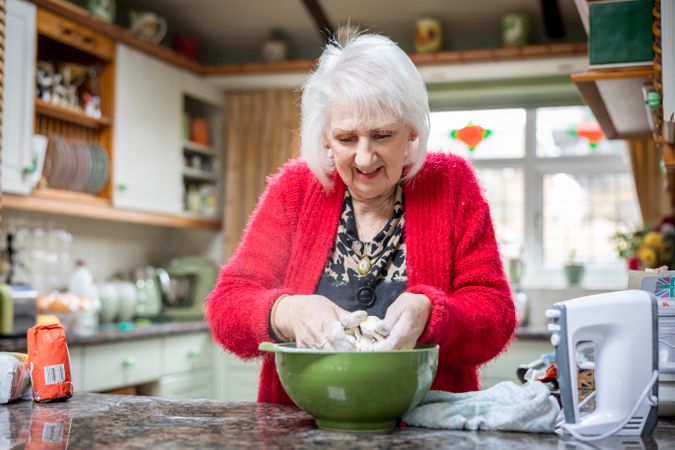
[(590, 130), (471, 135)]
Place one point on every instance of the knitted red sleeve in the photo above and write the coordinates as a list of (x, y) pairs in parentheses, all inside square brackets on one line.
[(475, 319), (248, 284)]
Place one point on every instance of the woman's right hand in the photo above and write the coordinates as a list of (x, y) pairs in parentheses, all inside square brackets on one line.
[(314, 321)]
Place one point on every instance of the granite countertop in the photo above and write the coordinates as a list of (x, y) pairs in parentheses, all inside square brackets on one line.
[(89, 421), (113, 333)]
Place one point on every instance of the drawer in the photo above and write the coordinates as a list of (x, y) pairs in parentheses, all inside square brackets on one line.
[(75, 35), (76, 367), (192, 384), (186, 352), (123, 364)]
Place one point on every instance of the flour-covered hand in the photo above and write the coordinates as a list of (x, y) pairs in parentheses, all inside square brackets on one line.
[(314, 321), (406, 318)]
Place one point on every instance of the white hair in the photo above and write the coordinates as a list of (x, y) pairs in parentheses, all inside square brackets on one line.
[(373, 76)]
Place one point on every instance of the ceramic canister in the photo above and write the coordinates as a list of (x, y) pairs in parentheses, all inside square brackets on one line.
[(428, 35)]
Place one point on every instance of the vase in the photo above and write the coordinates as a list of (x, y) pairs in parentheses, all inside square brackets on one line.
[(574, 273)]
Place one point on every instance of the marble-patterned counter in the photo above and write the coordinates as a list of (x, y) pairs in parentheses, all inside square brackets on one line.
[(95, 421), (108, 334), (113, 333)]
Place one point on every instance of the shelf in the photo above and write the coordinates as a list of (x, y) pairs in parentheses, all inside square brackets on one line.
[(70, 115), (198, 175), (420, 59), (198, 216), (74, 204), (615, 96), (199, 148), (82, 198), (82, 16)]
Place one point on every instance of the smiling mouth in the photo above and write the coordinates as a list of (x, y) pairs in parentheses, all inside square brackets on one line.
[(362, 174)]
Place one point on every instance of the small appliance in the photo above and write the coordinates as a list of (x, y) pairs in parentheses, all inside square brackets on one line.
[(191, 280), (622, 327), (152, 287), (17, 309)]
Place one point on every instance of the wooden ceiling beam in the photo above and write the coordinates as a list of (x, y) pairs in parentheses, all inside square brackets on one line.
[(323, 24)]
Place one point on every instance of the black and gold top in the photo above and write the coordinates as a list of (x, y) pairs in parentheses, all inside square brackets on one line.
[(366, 275)]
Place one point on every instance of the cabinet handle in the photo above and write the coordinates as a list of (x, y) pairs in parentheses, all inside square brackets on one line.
[(67, 32), (193, 354), (129, 363), (122, 187), (30, 169)]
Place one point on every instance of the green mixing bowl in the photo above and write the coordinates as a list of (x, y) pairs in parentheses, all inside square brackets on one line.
[(355, 390)]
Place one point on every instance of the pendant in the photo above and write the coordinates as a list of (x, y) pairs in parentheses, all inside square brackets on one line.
[(364, 265)]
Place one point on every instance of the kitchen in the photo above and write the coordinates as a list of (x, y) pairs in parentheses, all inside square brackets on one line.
[(161, 124)]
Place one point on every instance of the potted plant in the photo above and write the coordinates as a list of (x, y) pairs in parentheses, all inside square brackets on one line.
[(574, 272)]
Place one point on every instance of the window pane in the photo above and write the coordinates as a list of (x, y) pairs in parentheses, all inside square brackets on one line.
[(506, 137), (504, 191), (570, 131), (581, 212)]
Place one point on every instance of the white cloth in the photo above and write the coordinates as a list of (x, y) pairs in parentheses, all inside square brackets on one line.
[(505, 406)]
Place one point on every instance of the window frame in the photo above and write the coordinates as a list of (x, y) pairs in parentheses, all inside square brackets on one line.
[(534, 168)]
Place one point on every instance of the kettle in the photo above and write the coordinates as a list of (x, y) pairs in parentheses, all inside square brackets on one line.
[(152, 285), (148, 26)]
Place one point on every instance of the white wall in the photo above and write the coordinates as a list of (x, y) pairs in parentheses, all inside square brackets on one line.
[(539, 300)]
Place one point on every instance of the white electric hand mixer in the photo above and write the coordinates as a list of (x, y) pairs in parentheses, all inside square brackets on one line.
[(623, 327)]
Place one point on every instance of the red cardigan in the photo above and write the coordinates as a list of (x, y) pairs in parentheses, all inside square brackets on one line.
[(451, 257)]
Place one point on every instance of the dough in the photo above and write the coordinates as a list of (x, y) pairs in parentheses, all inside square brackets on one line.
[(365, 335)]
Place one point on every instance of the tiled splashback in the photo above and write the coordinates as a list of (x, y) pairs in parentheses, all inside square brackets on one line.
[(109, 247)]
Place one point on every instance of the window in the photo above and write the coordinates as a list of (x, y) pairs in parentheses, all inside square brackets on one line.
[(556, 188)]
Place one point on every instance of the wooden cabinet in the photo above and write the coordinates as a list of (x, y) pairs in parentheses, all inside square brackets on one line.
[(151, 99), (72, 34), (191, 384), (186, 352), (147, 137), (111, 366), (17, 123), (180, 366), (187, 367)]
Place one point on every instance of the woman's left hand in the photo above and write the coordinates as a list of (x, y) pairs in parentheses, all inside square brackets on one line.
[(406, 318)]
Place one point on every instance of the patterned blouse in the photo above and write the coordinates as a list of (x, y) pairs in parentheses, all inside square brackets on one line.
[(366, 275)]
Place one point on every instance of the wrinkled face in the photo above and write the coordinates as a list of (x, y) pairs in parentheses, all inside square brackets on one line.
[(369, 154)]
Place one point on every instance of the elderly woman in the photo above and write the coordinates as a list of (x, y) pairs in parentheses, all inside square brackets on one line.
[(367, 221)]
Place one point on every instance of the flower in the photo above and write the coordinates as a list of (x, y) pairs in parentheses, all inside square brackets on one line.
[(648, 248), (653, 240), (633, 263), (648, 255)]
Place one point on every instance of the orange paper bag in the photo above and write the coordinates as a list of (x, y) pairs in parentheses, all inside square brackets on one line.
[(49, 363)]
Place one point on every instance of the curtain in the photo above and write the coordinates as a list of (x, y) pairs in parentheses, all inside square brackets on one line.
[(262, 130), (650, 181)]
